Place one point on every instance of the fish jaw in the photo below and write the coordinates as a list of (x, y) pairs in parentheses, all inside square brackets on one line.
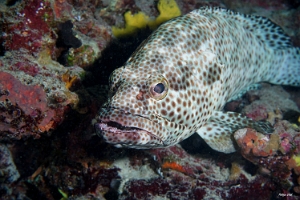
[(116, 127)]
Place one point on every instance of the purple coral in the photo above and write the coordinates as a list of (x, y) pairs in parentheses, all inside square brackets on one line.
[(285, 142)]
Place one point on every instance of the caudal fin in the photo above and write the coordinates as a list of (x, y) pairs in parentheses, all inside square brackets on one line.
[(287, 70)]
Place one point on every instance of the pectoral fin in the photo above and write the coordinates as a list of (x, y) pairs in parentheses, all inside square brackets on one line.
[(217, 132)]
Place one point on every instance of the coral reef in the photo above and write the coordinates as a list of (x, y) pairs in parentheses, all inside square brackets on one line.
[(24, 109), (8, 170), (40, 40), (202, 178), (256, 144), (272, 99), (32, 27), (274, 153), (53, 57)]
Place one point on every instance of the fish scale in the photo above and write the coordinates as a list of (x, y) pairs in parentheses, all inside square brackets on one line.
[(178, 80)]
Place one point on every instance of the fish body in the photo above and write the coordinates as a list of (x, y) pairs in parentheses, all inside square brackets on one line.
[(179, 79)]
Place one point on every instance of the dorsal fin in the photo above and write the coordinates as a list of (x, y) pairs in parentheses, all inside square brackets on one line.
[(264, 29), (268, 32)]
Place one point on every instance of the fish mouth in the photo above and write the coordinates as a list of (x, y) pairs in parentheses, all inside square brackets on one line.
[(115, 127)]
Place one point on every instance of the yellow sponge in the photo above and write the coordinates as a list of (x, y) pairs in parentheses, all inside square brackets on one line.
[(297, 159), (132, 24), (168, 9)]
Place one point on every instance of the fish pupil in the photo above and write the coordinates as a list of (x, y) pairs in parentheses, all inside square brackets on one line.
[(159, 88)]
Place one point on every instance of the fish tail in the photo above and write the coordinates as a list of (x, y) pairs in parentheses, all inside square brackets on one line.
[(286, 69)]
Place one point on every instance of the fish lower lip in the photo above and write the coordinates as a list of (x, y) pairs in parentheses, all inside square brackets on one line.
[(118, 126), (133, 137), (111, 127)]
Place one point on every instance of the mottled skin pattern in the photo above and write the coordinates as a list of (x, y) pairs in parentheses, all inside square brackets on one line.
[(184, 73)]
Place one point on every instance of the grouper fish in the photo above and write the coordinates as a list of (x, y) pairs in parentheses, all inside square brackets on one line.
[(178, 80)]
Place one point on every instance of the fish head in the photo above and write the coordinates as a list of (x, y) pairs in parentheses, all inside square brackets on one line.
[(163, 93), (143, 110)]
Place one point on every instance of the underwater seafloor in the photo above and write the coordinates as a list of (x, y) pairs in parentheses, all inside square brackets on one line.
[(54, 57)]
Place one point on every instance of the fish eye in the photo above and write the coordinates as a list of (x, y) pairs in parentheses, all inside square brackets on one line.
[(159, 89)]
